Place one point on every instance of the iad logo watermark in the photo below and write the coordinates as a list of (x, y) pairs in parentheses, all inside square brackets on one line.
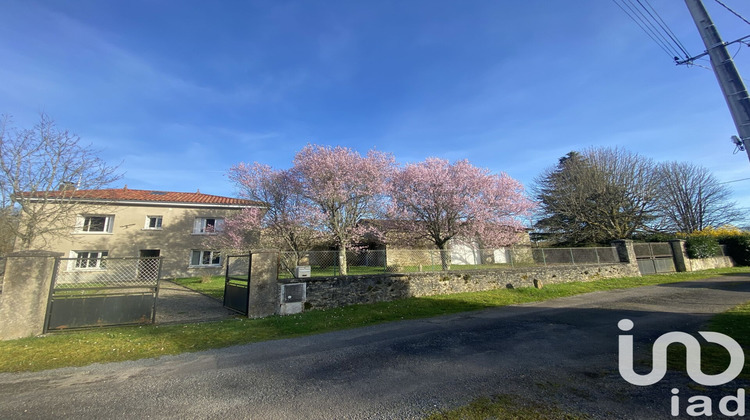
[(700, 405)]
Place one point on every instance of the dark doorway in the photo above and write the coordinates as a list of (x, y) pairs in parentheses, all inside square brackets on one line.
[(146, 253), (148, 265)]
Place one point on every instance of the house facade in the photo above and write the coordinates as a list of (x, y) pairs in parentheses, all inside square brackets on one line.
[(177, 226)]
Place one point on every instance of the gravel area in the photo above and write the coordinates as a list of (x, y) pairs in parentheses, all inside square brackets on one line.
[(178, 304)]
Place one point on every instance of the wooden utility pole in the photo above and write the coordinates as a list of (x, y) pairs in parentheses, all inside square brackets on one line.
[(729, 78)]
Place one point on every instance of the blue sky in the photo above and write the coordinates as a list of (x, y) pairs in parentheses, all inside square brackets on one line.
[(179, 91)]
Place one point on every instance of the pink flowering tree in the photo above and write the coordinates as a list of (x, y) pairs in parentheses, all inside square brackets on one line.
[(288, 222), (440, 201), (345, 187), (240, 231)]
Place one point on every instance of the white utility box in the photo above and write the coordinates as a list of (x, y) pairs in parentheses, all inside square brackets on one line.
[(301, 271)]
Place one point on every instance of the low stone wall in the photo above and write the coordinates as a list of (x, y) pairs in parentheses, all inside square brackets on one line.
[(331, 292), (709, 263)]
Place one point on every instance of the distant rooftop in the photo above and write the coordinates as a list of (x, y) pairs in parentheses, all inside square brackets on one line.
[(126, 194)]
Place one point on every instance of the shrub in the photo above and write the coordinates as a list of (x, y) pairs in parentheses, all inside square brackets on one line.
[(655, 237), (699, 246), (719, 232), (738, 247)]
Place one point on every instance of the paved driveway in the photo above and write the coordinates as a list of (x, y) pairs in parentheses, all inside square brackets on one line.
[(563, 351)]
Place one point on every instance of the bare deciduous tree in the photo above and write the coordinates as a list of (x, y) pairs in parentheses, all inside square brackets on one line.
[(691, 199), (41, 170), (597, 196)]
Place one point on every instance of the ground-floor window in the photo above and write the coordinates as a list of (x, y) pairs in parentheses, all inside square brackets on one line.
[(202, 258), (90, 260)]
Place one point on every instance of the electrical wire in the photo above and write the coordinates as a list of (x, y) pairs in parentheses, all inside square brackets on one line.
[(739, 47), (664, 27), (644, 27), (736, 180), (665, 49), (653, 26), (733, 12)]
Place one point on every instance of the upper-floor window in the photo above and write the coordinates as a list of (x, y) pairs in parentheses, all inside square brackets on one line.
[(208, 225), (94, 223), (153, 222)]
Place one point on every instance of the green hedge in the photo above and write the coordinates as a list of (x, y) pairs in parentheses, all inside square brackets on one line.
[(702, 247), (738, 247)]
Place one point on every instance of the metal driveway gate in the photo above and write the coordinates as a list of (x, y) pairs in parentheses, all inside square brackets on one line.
[(654, 257), (237, 282), (92, 291)]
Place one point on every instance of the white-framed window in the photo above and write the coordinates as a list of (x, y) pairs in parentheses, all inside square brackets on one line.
[(208, 225), (94, 223), (90, 260), (153, 222), (205, 258)]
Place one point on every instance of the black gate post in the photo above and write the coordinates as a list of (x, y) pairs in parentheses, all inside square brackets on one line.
[(156, 291), (226, 280), (48, 313)]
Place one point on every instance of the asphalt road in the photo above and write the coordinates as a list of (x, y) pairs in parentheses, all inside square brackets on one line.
[(562, 351)]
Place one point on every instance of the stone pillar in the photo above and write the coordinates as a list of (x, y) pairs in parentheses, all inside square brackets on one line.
[(26, 291), (679, 253), (625, 250), (264, 287)]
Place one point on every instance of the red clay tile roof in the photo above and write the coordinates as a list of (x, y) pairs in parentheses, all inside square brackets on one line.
[(126, 194)]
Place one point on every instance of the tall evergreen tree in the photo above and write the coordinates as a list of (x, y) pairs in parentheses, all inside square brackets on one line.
[(597, 196)]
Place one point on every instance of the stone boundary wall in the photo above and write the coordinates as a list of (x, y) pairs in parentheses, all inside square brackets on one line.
[(683, 263), (709, 263), (332, 292)]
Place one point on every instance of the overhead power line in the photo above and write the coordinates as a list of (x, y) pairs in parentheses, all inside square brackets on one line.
[(735, 180), (663, 25), (648, 19), (733, 12)]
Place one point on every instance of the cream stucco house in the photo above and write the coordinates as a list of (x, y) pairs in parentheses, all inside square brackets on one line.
[(139, 223)]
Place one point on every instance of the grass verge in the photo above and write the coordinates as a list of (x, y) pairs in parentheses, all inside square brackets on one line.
[(505, 407), (80, 348), (714, 358), (736, 324)]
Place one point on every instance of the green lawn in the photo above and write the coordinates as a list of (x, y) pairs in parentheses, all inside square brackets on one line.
[(714, 359), (736, 324), (354, 270), (210, 286), (79, 348)]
